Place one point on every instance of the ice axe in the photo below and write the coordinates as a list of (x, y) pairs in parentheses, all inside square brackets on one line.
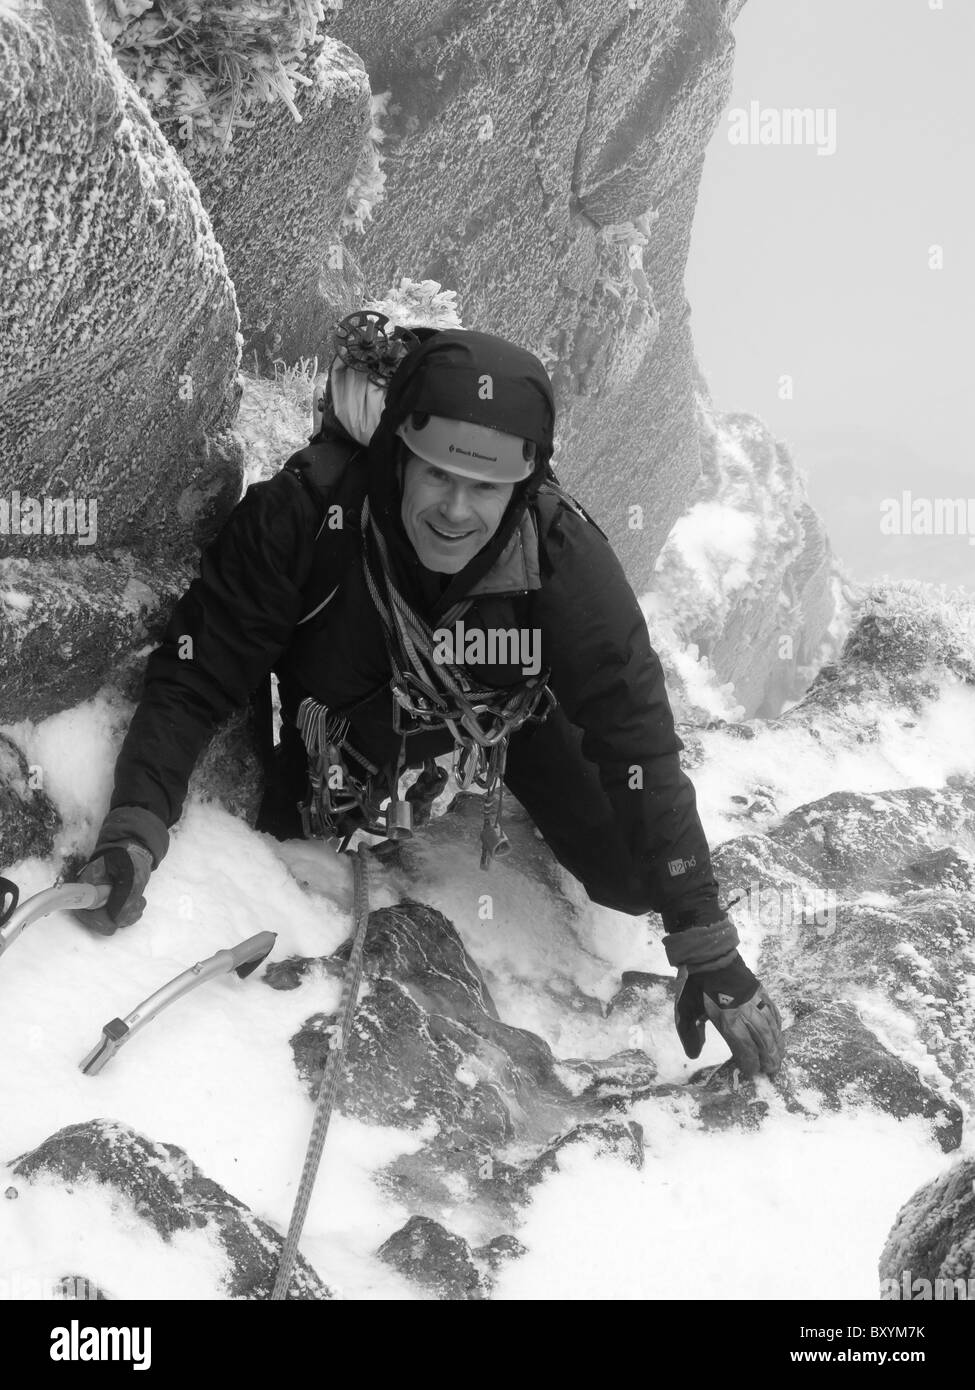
[(242, 959), (64, 897)]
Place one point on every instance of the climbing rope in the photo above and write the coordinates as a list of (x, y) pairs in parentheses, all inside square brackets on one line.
[(481, 721), (334, 1064)]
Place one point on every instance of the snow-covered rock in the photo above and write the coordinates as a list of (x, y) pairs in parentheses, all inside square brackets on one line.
[(930, 1253), (746, 577), (69, 626), (159, 1185)]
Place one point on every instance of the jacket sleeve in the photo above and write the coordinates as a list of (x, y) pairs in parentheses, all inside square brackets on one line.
[(225, 634), (610, 684)]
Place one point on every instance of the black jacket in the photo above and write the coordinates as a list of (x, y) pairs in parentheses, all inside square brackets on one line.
[(240, 619)]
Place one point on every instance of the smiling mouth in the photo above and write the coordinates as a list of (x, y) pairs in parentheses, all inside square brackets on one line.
[(451, 535)]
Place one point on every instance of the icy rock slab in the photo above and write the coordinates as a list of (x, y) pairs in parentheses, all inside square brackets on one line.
[(427, 1047), (833, 1061)]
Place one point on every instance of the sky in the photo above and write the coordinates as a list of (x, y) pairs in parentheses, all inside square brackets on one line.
[(816, 266)]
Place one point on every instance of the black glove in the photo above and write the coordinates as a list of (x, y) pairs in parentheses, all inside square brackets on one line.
[(130, 845), (713, 982)]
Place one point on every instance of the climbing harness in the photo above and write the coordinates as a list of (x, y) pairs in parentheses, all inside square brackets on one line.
[(334, 1064)]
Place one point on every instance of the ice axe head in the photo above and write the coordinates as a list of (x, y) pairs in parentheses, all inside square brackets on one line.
[(250, 953)]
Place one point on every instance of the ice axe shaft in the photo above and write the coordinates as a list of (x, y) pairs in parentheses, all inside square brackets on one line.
[(242, 958), (67, 897)]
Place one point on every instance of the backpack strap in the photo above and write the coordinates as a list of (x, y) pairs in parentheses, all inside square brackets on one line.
[(551, 501), (320, 468)]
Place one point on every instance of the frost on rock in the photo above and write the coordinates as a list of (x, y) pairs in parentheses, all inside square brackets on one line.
[(118, 356), (933, 1240), (418, 303), (746, 575), (368, 183), (203, 67), (277, 197)]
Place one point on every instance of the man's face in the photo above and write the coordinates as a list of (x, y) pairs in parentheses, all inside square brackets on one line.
[(449, 518)]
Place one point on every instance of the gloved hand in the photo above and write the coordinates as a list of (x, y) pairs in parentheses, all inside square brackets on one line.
[(130, 845), (713, 982), (126, 867)]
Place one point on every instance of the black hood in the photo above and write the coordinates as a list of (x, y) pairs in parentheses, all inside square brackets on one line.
[(464, 375)]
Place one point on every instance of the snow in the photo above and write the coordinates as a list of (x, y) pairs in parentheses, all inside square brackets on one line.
[(799, 768), (718, 543), (797, 1210), (214, 1073)]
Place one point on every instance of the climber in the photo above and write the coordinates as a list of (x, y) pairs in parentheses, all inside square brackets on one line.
[(426, 498)]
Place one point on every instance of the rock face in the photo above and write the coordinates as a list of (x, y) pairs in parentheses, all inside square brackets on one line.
[(541, 163), (544, 163), (747, 575), (930, 1253), (118, 361), (428, 1045), (839, 888), (436, 1259), (277, 198), (70, 626), (167, 1191), (119, 356), (832, 1053)]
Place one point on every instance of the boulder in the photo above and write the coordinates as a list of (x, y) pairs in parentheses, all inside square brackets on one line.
[(434, 1258), (832, 1052), (930, 1253), (70, 626), (163, 1187)]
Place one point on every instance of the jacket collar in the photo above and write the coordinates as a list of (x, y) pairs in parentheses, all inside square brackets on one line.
[(516, 570)]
